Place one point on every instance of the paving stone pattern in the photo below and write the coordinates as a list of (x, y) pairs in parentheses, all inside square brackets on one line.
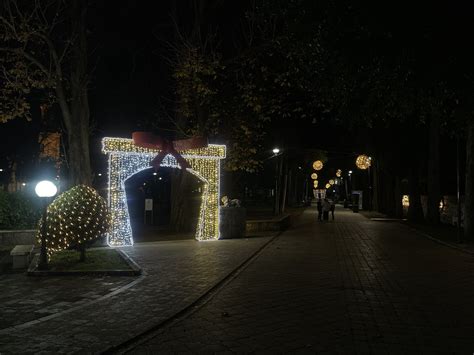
[(349, 286), (176, 274), (24, 299)]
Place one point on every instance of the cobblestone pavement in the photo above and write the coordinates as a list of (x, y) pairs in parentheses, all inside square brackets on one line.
[(349, 286), (24, 299), (111, 310)]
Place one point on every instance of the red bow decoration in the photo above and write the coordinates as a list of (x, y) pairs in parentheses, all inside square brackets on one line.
[(152, 141)]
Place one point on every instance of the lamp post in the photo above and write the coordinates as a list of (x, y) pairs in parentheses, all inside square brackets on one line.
[(276, 207), (45, 190)]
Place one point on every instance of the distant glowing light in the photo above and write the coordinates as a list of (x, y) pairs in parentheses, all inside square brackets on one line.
[(405, 201), (276, 150), (328, 186), (331, 182), (314, 176), (338, 172), (363, 162), (350, 172), (318, 165), (155, 173), (315, 183)]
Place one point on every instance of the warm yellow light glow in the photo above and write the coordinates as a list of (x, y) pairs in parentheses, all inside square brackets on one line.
[(318, 165), (328, 186), (405, 201), (126, 159), (314, 176), (75, 217), (331, 182), (315, 183), (363, 162), (338, 172)]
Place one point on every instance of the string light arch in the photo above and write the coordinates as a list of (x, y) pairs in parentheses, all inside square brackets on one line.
[(127, 159)]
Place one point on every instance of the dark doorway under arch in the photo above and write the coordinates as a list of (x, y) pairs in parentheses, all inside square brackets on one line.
[(168, 220)]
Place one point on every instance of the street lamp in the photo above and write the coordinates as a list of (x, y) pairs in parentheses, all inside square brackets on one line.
[(45, 190), (276, 207)]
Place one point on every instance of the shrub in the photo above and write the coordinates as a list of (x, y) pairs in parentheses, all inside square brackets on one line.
[(75, 219), (19, 210)]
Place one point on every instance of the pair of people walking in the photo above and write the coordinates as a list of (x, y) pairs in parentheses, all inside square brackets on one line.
[(324, 207)]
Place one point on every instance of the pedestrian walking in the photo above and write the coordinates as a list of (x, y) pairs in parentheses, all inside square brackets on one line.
[(333, 207), (326, 209), (319, 205)]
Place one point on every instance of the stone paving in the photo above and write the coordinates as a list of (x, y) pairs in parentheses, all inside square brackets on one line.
[(349, 286), (90, 315), (24, 299)]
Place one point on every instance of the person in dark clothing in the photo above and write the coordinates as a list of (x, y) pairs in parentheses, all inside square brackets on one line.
[(333, 207), (326, 209), (319, 205)]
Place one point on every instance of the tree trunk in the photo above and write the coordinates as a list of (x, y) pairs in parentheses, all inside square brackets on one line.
[(415, 211), (397, 198), (376, 206), (469, 196), (433, 177), (75, 111), (181, 210)]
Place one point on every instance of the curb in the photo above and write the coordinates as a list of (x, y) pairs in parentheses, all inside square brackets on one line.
[(439, 241), (135, 269), (190, 308), (430, 237)]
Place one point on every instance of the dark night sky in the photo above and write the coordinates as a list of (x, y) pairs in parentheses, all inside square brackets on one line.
[(131, 77)]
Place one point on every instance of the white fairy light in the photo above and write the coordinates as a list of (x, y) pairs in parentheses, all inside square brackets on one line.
[(126, 159)]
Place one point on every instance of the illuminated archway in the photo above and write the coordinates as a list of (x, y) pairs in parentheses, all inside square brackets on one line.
[(127, 159)]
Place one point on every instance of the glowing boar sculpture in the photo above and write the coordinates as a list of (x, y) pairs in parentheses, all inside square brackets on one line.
[(74, 220)]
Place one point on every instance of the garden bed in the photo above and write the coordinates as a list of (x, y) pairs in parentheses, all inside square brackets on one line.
[(99, 261)]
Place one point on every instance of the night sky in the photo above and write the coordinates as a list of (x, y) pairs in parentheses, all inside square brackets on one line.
[(132, 81)]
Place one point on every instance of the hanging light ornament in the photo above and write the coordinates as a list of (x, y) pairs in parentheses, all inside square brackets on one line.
[(363, 162), (315, 184), (314, 176), (328, 186), (406, 201), (318, 165), (331, 182), (338, 172)]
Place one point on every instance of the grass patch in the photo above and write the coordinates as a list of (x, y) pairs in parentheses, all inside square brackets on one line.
[(96, 260)]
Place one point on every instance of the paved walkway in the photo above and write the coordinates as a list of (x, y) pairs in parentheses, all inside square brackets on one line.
[(349, 286), (90, 315)]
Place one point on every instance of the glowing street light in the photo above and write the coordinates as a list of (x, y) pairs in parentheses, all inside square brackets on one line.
[(46, 188), (276, 150)]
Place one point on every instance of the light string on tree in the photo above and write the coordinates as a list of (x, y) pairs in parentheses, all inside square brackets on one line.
[(75, 217)]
